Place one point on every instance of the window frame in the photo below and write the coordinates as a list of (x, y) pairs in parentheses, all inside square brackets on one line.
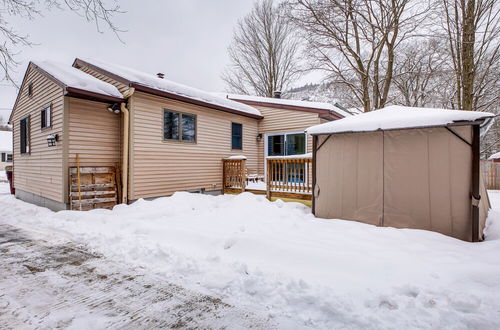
[(179, 127), (27, 147), (241, 137), (7, 160), (30, 89), (43, 128)]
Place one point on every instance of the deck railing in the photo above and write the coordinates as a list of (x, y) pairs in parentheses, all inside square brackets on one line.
[(289, 177), (233, 175)]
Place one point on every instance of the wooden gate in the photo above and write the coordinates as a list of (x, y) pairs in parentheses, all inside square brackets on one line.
[(93, 187)]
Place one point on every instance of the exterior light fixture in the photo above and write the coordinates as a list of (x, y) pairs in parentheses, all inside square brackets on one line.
[(115, 107), (52, 139), (259, 136)]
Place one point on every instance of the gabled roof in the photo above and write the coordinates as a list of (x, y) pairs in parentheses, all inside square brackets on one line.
[(74, 82), (399, 117), (5, 141), (152, 84), (322, 108)]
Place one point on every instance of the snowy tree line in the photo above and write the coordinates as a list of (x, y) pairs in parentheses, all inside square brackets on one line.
[(434, 53)]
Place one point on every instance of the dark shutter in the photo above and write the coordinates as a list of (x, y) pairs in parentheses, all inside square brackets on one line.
[(3, 157), (44, 118), (23, 135)]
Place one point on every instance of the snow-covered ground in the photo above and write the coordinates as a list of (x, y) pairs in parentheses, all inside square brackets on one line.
[(277, 259)]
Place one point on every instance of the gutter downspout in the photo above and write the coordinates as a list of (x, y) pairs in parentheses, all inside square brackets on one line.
[(126, 135)]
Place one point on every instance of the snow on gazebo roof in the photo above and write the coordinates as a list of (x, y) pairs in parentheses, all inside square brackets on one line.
[(72, 77), (494, 156), (398, 117)]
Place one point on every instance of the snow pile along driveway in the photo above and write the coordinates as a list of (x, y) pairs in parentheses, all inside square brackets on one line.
[(276, 258)]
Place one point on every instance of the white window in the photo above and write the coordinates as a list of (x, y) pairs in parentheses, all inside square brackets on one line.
[(46, 117)]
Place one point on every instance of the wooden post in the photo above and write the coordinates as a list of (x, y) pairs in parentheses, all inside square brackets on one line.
[(315, 144), (78, 180), (268, 180), (243, 165), (223, 176), (476, 197)]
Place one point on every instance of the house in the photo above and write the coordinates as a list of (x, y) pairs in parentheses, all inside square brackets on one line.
[(403, 167), (5, 149), (98, 125), (495, 157)]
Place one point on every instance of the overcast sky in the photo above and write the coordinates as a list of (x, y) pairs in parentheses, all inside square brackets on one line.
[(187, 40)]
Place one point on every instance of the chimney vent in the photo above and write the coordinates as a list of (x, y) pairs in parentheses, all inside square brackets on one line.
[(160, 75), (277, 94)]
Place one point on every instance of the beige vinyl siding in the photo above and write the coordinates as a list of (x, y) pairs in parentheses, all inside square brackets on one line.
[(160, 168), (283, 120), (41, 171), (94, 134), (120, 86)]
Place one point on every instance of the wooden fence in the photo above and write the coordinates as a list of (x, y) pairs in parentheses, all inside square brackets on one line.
[(233, 175), (289, 178), (491, 174)]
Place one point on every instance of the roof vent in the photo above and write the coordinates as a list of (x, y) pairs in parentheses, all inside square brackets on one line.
[(277, 94), (160, 75)]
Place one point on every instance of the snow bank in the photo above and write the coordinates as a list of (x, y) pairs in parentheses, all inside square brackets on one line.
[(5, 141), (72, 77), (152, 81), (397, 117), (304, 272), (296, 103)]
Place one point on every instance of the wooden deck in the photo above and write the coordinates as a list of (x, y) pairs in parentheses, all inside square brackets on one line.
[(287, 178)]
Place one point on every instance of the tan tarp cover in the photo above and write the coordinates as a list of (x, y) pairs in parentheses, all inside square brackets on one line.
[(413, 178)]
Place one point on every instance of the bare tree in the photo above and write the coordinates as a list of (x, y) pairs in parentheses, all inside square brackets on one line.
[(263, 52), (96, 11), (422, 73), (355, 41), (472, 28)]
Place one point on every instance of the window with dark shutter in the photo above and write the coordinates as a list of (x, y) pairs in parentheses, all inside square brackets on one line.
[(24, 135), (9, 158), (236, 136)]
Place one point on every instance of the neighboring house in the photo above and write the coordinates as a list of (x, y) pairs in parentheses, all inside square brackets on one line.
[(495, 157), (165, 137), (5, 149)]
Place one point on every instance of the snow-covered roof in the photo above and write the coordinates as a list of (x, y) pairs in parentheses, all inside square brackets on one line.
[(5, 141), (280, 101), (300, 156), (494, 156), (397, 117), (153, 81), (72, 77)]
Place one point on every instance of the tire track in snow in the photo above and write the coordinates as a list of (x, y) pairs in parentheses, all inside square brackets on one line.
[(45, 284)]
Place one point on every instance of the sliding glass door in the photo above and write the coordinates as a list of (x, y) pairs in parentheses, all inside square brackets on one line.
[(286, 144)]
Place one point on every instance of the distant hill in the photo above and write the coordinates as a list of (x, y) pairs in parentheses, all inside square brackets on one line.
[(324, 92)]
